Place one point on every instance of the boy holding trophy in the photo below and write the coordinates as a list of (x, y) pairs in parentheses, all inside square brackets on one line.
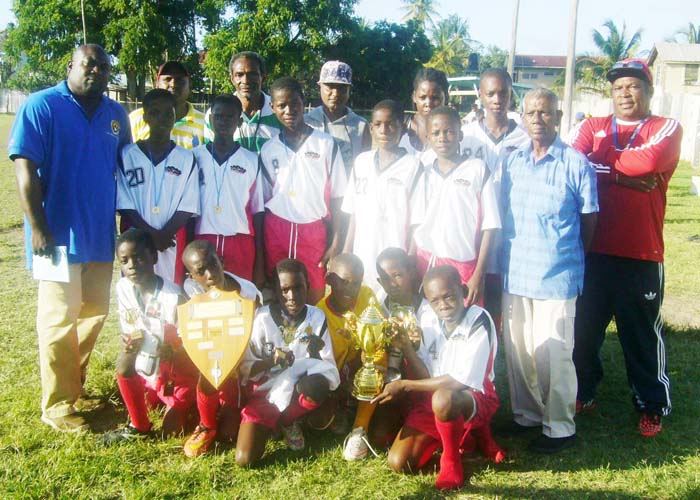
[(152, 366), (453, 398)]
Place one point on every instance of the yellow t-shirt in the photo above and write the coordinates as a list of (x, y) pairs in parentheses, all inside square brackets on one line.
[(343, 344)]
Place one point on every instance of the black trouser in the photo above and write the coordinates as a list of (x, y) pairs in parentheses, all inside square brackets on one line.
[(631, 291)]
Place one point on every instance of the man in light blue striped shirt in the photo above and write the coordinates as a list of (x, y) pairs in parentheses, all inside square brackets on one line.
[(549, 203)]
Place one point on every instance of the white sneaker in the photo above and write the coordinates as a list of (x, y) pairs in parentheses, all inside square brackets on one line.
[(356, 446)]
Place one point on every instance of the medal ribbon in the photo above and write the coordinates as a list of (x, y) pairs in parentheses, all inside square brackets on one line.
[(218, 183), (156, 196), (634, 134)]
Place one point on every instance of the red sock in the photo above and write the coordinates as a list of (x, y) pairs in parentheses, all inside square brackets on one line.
[(488, 446), (451, 475), (133, 394), (208, 405), (297, 408)]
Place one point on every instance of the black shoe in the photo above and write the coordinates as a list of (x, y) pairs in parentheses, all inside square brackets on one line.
[(549, 445), (127, 433), (513, 428)]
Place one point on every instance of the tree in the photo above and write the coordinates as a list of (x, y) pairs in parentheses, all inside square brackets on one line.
[(690, 34), (492, 57), (450, 39), (612, 47), (422, 11), (384, 58), (291, 35)]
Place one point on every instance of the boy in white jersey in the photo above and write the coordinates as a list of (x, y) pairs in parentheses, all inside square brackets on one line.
[(379, 193), (453, 397), (152, 367), (231, 208), (157, 185), (492, 139), (288, 368), (454, 207), (304, 187), (219, 412)]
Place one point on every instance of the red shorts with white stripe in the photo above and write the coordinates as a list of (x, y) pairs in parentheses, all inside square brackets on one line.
[(421, 417), (237, 252), (183, 381), (258, 410), (426, 260), (305, 242)]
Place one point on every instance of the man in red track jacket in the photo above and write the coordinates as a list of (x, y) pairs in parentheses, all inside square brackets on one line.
[(635, 154)]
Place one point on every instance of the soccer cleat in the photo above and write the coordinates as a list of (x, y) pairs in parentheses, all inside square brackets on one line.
[(199, 442), (584, 406), (67, 423), (356, 445), (294, 437), (128, 433), (649, 425)]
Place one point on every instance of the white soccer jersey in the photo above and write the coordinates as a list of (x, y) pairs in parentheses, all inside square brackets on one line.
[(160, 310), (467, 354), (230, 193), (479, 143), (156, 192), (380, 202), (257, 129), (267, 335), (298, 186), (248, 289), (450, 210), (426, 157)]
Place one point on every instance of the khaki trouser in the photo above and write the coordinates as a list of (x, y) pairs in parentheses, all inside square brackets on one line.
[(69, 318), (539, 342)]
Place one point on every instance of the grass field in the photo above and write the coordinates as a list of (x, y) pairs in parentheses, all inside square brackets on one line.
[(610, 460)]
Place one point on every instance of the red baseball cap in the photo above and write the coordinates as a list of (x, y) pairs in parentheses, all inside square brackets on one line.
[(630, 67)]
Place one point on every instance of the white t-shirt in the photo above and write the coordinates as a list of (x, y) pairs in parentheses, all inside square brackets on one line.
[(467, 354), (156, 192), (451, 210), (267, 336), (160, 310), (479, 143), (233, 187), (380, 202), (298, 186)]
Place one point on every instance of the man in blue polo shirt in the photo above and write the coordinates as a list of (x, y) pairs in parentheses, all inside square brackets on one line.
[(550, 206), (64, 144)]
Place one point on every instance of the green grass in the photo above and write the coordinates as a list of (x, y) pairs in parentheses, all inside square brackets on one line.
[(610, 460)]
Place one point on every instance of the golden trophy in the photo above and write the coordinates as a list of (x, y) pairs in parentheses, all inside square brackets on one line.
[(404, 318), (372, 334)]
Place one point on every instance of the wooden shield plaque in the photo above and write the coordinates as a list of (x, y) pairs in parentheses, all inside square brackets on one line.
[(215, 329)]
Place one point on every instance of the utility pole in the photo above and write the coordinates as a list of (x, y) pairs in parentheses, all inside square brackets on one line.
[(570, 76), (82, 13), (513, 38)]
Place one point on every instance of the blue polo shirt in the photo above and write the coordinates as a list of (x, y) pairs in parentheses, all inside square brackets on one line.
[(77, 162), (542, 255)]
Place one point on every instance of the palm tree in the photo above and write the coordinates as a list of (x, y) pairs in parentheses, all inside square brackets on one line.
[(691, 34), (422, 11), (612, 47), (450, 39)]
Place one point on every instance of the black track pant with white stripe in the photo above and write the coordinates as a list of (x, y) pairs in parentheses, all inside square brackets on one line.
[(631, 292)]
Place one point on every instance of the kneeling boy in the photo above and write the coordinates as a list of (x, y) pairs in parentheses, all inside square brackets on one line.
[(165, 373), (454, 398), (289, 366)]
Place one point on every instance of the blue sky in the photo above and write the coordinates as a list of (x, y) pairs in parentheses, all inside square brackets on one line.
[(543, 24)]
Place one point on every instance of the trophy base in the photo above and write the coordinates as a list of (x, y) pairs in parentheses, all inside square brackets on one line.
[(368, 383)]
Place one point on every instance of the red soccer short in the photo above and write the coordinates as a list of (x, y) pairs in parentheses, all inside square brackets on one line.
[(305, 242), (237, 252), (421, 417), (258, 410), (184, 387), (426, 260)]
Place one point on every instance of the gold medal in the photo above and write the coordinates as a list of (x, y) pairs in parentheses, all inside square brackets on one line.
[(292, 193), (218, 209), (155, 210)]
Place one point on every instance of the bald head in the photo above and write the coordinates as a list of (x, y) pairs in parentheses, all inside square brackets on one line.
[(349, 262), (88, 71), (446, 274)]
